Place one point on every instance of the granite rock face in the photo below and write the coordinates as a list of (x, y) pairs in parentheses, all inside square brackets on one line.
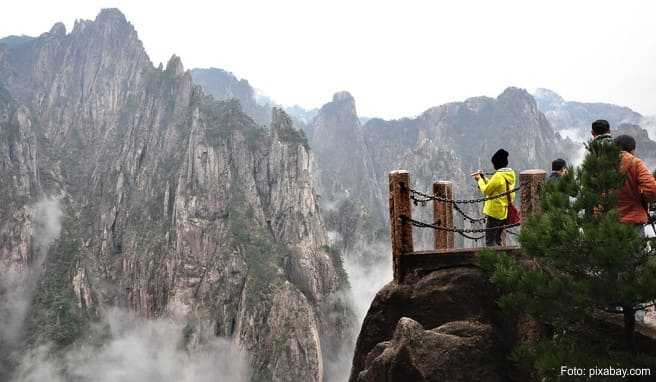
[(174, 204), (579, 116), (224, 85), (456, 351), (441, 326), (345, 171), (645, 147)]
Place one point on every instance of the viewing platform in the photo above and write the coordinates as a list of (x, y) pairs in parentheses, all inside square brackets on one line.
[(407, 261)]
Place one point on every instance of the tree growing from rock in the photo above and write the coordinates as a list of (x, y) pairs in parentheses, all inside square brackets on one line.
[(580, 261)]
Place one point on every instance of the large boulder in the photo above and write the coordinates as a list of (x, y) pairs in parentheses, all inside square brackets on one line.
[(444, 325), (455, 351)]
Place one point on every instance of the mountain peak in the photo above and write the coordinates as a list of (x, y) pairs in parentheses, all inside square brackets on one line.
[(547, 94), (175, 65), (59, 29), (513, 92), (547, 99), (518, 98), (110, 20), (343, 96), (111, 15), (280, 119)]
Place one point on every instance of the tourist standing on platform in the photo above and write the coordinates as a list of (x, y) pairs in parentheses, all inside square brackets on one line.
[(639, 186), (496, 209), (601, 131), (558, 169)]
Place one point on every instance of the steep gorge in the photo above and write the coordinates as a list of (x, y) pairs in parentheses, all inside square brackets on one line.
[(174, 205)]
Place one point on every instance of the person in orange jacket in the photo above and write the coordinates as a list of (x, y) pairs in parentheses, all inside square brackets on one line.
[(639, 186)]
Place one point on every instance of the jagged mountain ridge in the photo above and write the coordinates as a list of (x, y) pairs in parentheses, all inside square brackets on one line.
[(224, 85), (175, 204), (579, 115), (574, 119)]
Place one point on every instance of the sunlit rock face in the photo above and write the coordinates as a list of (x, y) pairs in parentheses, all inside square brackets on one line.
[(173, 204)]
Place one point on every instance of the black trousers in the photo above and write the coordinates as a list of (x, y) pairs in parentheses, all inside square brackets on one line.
[(493, 233)]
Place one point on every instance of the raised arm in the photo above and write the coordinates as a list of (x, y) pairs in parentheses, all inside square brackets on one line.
[(488, 188)]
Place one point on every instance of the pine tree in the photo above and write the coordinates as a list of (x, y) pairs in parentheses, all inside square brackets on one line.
[(580, 261)]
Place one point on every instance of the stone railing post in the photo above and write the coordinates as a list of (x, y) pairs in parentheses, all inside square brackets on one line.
[(401, 231), (529, 182), (443, 214)]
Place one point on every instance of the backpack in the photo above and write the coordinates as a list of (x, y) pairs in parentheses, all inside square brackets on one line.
[(514, 216)]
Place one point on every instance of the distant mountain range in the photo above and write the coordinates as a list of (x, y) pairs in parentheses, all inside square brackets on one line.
[(574, 119), (443, 143)]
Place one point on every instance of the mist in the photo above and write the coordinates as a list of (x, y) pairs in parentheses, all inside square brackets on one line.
[(138, 350), (368, 266), (649, 124), (579, 138), (19, 279), (121, 347)]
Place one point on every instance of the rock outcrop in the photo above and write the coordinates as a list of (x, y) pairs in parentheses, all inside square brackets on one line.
[(174, 204), (224, 85), (443, 326), (645, 147), (456, 351), (345, 174)]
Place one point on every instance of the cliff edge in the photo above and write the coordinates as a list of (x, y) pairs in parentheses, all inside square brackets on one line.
[(443, 325)]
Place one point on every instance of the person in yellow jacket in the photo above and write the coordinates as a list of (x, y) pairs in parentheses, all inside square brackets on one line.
[(496, 210)]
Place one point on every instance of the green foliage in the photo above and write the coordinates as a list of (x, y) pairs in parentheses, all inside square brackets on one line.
[(262, 254), (582, 260), (338, 264), (56, 316), (223, 118), (293, 136)]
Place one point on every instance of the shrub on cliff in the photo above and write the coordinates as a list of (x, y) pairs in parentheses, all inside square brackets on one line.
[(581, 262)]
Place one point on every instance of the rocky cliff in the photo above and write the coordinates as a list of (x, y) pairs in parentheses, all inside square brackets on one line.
[(345, 171), (574, 119), (174, 204), (224, 85), (440, 326), (645, 147), (564, 115)]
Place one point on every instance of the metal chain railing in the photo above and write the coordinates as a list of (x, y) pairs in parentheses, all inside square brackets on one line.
[(460, 231), (467, 217), (420, 197)]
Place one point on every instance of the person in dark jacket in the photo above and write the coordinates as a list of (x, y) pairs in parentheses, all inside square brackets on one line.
[(601, 130), (558, 168)]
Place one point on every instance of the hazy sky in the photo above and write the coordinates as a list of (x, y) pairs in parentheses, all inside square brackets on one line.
[(397, 58)]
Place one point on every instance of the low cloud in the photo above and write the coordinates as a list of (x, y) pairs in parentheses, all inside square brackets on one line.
[(130, 348), (369, 268), (18, 281), (138, 350), (580, 138)]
